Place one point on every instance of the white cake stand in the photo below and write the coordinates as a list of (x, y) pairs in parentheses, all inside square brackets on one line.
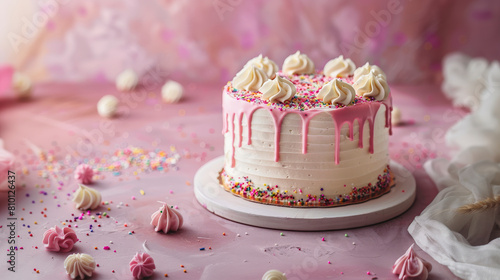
[(215, 199)]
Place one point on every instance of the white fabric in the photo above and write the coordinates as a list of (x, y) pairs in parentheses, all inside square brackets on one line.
[(464, 79), (469, 244), (481, 127)]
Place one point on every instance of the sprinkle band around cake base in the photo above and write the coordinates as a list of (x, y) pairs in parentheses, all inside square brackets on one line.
[(213, 198), (272, 196)]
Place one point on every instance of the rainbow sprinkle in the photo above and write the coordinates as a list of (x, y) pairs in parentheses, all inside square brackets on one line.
[(305, 99), (245, 188), (138, 159)]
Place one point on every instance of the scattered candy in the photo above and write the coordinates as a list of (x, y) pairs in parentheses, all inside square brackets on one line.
[(84, 174), (142, 266), (107, 106), (79, 265), (59, 240), (172, 92), (87, 198), (166, 219), (127, 80), (274, 275)]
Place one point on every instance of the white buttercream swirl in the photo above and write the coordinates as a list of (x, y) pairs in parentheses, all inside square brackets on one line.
[(339, 67), (274, 275), (250, 78), (298, 63), (264, 64), (278, 89), (79, 265), (87, 198), (366, 69), (372, 85), (337, 92), (127, 80)]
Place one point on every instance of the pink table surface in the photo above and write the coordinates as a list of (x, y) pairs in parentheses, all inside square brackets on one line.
[(60, 118)]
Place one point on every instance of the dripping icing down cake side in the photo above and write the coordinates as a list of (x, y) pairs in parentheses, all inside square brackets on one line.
[(307, 138)]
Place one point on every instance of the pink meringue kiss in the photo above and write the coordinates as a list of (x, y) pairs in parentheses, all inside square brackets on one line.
[(166, 219), (411, 267), (84, 174), (142, 266), (59, 240)]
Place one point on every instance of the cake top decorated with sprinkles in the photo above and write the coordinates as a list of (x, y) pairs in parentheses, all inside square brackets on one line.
[(339, 85), (306, 98)]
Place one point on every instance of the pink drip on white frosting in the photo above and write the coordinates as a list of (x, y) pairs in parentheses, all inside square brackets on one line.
[(411, 267), (361, 112), (166, 219), (84, 174), (59, 240), (142, 265)]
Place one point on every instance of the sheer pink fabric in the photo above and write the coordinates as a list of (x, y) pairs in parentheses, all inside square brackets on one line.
[(210, 40)]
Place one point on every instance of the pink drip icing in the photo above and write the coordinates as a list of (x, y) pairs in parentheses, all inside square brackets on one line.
[(351, 132), (240, 129), (338, 127), (306, 119), (361, 112), (225, 128), (249, 123), (278, 117), (388, 116), (305, 131), (232, 140)]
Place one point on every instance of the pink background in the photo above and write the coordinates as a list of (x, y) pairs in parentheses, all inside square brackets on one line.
[(210, 40), (74, 57)]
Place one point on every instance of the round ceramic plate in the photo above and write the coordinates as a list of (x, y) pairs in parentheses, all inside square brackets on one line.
[(215, 199)]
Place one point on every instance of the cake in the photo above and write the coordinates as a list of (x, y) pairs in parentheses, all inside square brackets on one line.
[(307, 138)]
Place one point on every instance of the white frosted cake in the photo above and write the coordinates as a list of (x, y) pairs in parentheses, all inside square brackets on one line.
[(305, 138)]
